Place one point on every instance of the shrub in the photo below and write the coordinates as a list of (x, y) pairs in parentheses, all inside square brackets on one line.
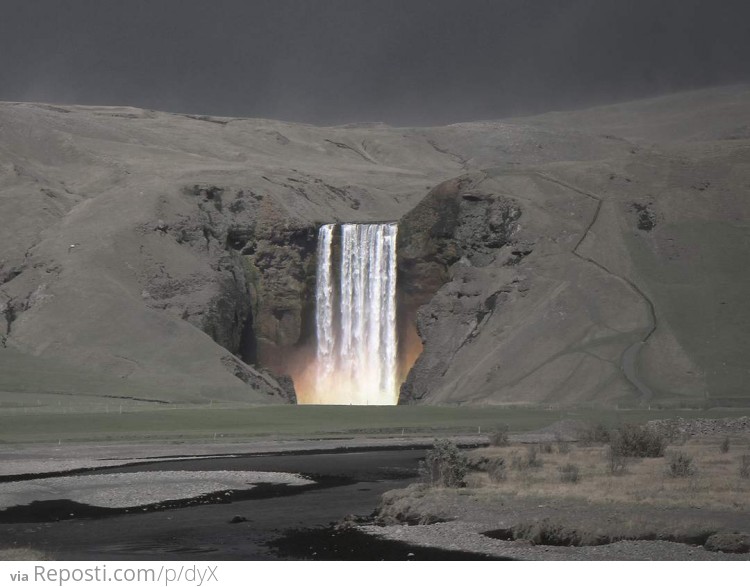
[(496, 470), (444, 465), (532, 457), (475, 462), (745, 466), (616, 462), (594, 434), (545, 447), (563, 446), (569, 473), (530, 460), (500, 436), (680, 465), (724, 446), (638, 441)]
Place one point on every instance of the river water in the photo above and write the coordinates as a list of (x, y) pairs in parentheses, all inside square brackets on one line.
[(265, 525)]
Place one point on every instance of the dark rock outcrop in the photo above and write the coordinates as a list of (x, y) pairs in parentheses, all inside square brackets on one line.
[(255, 298), (261, 380), (447, 247), (283, 268), (645, 216)]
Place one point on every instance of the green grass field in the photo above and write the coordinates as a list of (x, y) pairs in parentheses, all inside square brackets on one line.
[(162, 423)]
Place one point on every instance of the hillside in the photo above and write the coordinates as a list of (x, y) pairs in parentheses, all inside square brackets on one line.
[(589, 256)]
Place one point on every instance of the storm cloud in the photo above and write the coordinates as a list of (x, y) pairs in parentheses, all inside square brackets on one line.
[(409, 62)]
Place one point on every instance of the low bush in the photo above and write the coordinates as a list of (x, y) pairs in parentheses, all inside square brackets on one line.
[(594, 434), (444, 466), (532, 457), (500, 436), (563, 446), (475, 462), (496, 470), (530, 460), (745, 467), (638, 441), (617, 463), (680, 465), (724, 446), (569, 473)]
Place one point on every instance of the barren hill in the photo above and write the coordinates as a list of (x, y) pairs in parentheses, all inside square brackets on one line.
[(597, 255)]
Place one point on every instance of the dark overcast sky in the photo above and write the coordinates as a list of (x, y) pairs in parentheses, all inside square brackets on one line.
[(398, 61)]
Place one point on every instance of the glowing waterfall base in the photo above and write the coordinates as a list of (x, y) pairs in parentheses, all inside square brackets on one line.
[(356, 317)]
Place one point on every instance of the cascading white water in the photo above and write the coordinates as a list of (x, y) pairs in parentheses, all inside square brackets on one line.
[(324, 304), (357, 343)]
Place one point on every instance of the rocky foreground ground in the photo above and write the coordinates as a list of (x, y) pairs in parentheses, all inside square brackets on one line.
[(472, 521), (529, 514), (641, 514)]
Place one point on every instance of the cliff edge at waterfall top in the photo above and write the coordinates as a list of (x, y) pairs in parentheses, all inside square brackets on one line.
[(593, 256)]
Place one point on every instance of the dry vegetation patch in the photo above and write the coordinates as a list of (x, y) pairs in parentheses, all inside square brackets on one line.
[(697, 473), (689, 489)]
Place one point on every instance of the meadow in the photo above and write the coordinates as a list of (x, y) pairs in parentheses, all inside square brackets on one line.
[(128, 421)]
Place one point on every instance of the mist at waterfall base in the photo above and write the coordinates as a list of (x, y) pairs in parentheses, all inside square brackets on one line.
[(357, 359)]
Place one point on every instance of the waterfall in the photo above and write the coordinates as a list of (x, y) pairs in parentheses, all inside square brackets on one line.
[(356, 317), (324, 304)]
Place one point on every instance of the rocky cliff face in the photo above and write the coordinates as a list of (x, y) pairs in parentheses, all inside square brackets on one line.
[(573, 257), (283, 264), (256, 300), (446, 245), (172, 258)]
